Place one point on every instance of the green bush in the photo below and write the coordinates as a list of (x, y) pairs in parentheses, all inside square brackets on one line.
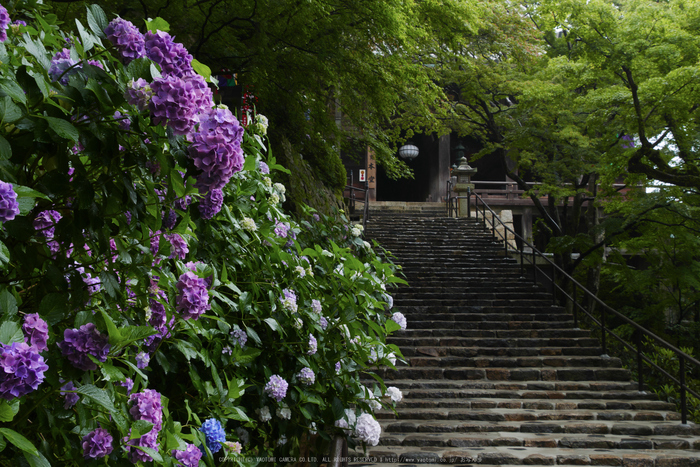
[(108, 252)]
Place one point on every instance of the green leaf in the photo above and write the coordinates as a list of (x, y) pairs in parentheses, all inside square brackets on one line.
[(201, 69), (338, 409), (4, 255), (237, 414), (274, 325), (63, 128), (115, 337), (392, 326), (5, 149), (37, 460), (10, 332), (6, 412), (19, 441), (37, 49), (8, 304), (97, 20), (9, 112), (139, 68), (140, 427), (53, 308), (85, 37), (14, 90), (158, 24), (26, 192), (111, 372), (151, 452), (100, 396)]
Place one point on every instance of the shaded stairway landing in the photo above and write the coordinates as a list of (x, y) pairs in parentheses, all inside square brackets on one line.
[(496, 375)]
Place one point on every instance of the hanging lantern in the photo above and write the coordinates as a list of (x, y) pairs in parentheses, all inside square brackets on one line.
[(408, 151)]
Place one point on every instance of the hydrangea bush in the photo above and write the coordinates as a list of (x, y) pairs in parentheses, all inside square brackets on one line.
[(157, 302)]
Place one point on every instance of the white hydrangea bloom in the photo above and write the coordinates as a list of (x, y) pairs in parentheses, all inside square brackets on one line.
[(300, 270), (261, 123), (281, 188), (347, 422), (394, 393), (399, 319), (327, 253), (274, 198), (367, 245), (243, 435), (367, 429), (392, 358), (249, 224), (297, 323), (284, 413), (316, 306), (355, 232), (282, 440), (267, 181), (312, 429), (264, 414)]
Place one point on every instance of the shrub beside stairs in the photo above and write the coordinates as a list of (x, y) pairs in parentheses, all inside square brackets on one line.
[(496, 375)]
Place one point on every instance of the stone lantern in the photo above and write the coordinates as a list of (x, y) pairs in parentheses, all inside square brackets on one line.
[(464, 185)]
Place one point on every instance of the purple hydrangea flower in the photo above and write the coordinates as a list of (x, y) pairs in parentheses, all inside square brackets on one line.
[(264, 168), (214, 433), (78, 343), (211, 204), (155, 242), (97, 444), (174, 102), (21, 370), (142, 360), (172, 56), (36, 331), (169, 219), (189, 457), (216, 148), (307, 376), (122, 120), (128, 383), (45, 223), (182, 203), (316, 306), (19, 22), (178, 246), (71, 397), (289, 300), (147, 440), (239, 336), (62, 66), (204, 99), (337, 367), (139, 93), (399, 319), (126, 38), (146, 406), (4, 23), (313, 345), (9, 207), (281, 229), (316, 217), (276, 387), (94, 284), (324, 322), (193, 299)]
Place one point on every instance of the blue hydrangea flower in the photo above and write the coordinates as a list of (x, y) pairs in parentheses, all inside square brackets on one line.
[(214, 433)]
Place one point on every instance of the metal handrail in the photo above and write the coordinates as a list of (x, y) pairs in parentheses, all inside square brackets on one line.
[(683, 358), (365, 200)]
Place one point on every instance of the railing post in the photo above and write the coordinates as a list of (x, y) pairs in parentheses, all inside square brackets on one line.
[(522, 259), (575, 305), (640, 361), (684, 402), (602, 327), (469, 203), (554, 286), (534, 268)]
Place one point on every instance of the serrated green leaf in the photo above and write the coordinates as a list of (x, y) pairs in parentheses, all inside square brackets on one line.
[(9, 111), (37, 460), (97, 20), (10, 332), (8, 304), (140, 427), (5, 149), (6, 412), (37, 49), (63, 128), (111, 372), (158, 24), (19, 441), (14, 90), (85, 37), (4, 255), (201, 69), (100, 396), (115, 336)]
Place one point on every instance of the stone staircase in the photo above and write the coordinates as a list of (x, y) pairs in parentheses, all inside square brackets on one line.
[(496, 375)]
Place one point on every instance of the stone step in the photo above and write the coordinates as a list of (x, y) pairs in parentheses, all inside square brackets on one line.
[(527, 389), (432, 400), (462, 324), (526, 415), (428, 310), (452, 361), (484, 317), (406, 456), (484, 343), (537, 440), (497, 333), (536, 351), (507, 374)]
